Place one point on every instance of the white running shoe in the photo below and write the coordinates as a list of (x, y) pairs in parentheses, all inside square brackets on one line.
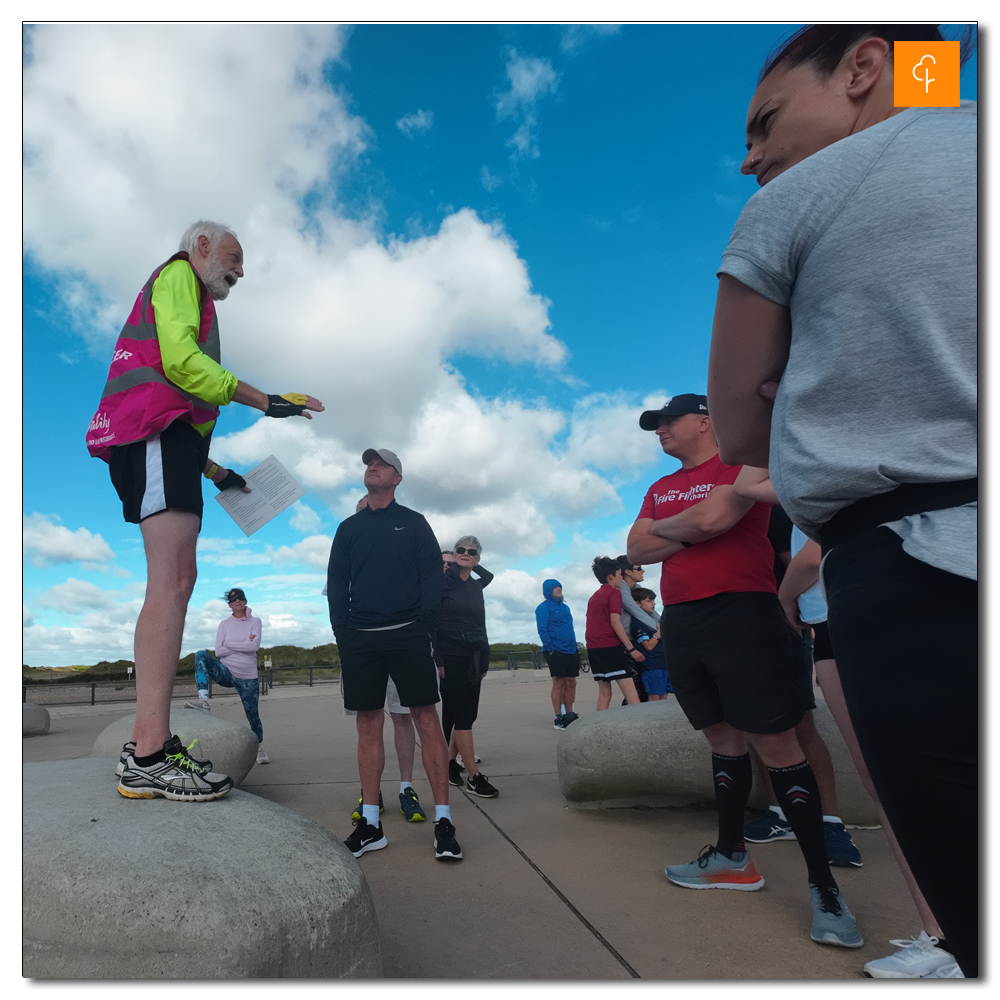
[(262, 757), (918, 958), (946, 972), (201, 703)]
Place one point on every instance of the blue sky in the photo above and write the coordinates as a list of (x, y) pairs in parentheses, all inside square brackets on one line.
[(485, 247)]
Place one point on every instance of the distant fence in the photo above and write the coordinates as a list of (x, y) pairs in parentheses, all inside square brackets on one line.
[(109, 692)]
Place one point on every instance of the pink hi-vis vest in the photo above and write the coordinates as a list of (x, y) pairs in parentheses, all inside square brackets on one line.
[(139, 401)]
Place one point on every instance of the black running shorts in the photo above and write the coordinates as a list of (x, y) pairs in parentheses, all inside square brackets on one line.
[(734, 658), (369, 659), (163, 472), (563, 664), (608, 663)]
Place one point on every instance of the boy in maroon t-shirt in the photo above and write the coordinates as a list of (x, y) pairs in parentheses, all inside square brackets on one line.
[(609, 649), (734, 659)]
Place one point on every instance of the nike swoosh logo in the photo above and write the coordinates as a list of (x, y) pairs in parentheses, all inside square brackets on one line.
[(400, 529)]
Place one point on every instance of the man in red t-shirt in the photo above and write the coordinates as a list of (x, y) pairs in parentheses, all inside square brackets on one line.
[(733, 657)]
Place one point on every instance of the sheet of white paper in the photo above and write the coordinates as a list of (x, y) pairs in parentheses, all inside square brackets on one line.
[(272, 490)]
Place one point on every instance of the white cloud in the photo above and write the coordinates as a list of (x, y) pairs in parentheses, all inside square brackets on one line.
[(489, 180), (133, 131), (46, 543), (530, 79), (76, 596), (419, 121), (305, 519), (577, 36), (27, 617)]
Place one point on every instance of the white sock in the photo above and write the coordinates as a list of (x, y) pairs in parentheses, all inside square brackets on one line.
[(442, 812), (370, 814), (562, 709), (403, 785), (203, 693), (832, 819), (780, 812)]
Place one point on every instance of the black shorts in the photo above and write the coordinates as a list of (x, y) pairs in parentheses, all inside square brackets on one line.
[(608, 663), (734, 658), (163, 472), (369, 659), (822, 648), (563, 664)]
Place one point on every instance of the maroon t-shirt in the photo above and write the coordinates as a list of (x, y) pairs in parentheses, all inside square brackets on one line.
[(606, 601), (739, 560)]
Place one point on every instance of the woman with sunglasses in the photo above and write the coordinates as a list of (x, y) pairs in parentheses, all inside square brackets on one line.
[(234, 665), (462, 654), (844, 359)]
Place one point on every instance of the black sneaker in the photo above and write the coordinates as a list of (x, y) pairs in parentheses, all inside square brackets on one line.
[(366, 838), (203, 764), (455, 774), (570, 717), (445, 845), (560, 722), (176, 777), (479, 785)]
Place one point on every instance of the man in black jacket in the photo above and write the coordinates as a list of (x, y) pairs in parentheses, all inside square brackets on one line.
[(384, 585)]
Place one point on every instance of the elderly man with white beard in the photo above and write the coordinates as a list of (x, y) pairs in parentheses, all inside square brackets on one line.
[(153, 428)]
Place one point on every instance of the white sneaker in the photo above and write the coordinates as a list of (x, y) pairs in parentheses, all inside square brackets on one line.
[(262, 757), (946, 972), (201, 703), (917, 959)]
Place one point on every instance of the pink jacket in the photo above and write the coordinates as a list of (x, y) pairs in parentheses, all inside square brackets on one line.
[(234, 646)]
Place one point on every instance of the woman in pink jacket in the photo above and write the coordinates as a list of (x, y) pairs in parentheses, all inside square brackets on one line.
[(236, 645)]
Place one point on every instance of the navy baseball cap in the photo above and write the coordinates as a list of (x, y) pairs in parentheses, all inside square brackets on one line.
[(687, 402)]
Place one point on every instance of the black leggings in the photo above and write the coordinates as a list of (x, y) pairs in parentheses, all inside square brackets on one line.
[(459, 696), (905, 637)]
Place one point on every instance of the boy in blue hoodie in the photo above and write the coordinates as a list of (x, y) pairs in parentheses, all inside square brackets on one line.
[(555, 629)]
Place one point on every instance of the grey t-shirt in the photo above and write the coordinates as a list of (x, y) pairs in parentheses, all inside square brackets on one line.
[(871, 243)]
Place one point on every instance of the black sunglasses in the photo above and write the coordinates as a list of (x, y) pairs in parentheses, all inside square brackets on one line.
[(459, 550)]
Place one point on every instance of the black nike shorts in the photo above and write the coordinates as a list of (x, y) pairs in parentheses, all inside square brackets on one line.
[(369, 659)]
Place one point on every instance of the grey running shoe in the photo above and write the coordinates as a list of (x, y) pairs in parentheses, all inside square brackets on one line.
[(917, 958), (175, 778), (833, 923), (409, 806), (203, 764), (262, 757), (712, 870), (201, 703), (366, 838)]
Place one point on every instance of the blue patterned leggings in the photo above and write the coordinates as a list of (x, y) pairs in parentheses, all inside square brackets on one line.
[(206, 665)]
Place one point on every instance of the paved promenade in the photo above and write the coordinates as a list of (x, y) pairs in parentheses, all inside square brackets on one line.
[(545, 891)]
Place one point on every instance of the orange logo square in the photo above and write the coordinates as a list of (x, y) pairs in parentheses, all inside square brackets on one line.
[(925, 74)]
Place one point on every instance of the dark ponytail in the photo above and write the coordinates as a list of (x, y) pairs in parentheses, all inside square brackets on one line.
[(824, 45)]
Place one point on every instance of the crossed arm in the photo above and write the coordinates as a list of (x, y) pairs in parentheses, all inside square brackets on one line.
[(651, 541), (750, 340)]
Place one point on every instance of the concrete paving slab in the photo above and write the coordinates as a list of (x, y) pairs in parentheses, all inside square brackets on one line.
[(549, 891)]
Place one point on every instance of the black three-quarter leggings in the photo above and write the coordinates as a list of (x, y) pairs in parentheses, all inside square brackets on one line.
[(905, 636), (459, 696)]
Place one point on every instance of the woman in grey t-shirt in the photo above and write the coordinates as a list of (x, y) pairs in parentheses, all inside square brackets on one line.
[(844, 359)]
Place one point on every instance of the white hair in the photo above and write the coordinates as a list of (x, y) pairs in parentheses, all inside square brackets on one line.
[(470, 542), (212, 231)]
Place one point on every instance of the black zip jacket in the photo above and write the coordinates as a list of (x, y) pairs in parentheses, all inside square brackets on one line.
[(385, 569)]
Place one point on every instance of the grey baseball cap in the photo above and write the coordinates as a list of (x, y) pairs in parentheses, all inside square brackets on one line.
[(389, 457)]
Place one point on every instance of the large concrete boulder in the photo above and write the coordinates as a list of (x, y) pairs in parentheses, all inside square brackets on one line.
[(34, 719), (649, 755), (118, 888), (232, 748)]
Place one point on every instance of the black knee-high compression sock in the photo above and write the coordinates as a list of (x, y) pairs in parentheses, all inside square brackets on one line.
[(798, 795), (733, 777)]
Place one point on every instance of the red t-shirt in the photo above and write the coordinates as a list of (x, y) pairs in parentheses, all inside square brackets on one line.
[(601, 606), (739, 560)]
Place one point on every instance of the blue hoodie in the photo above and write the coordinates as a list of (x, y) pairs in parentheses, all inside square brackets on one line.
[(555, 622)]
